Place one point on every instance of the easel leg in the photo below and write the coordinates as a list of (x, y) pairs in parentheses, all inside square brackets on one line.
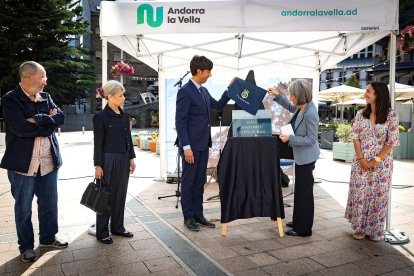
[(280, 226), (224, 230)]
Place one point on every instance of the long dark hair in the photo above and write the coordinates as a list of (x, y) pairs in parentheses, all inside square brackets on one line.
[(382, 102)]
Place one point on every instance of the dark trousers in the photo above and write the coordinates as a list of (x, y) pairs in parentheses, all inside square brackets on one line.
[(116, 176), (303, 199), (192, 184)]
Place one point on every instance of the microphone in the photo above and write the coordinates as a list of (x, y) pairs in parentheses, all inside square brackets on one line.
[(180, 80)]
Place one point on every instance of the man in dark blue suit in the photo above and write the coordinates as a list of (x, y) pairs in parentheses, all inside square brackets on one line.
[(192, 122)]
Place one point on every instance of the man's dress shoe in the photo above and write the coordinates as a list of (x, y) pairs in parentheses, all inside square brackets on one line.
[(295, 234), (205, 222), (291, 233), (289, 224), (191, 225)]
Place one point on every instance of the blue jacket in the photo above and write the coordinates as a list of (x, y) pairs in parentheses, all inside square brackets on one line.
[(20, 134), (305, 142), (192, 116)]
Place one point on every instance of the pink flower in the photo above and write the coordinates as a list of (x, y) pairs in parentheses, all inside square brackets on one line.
[(405, 41), (99, 91), (121, 68)]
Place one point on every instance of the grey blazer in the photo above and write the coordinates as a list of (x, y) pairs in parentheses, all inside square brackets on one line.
[(305, 142)]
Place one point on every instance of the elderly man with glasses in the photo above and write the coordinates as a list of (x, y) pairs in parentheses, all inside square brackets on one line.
[(32, 157)]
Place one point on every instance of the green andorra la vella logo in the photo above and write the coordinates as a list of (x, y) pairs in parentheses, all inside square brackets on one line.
[(245, 94), (151, 21)]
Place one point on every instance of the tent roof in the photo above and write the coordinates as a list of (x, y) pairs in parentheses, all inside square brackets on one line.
[(238, 35)]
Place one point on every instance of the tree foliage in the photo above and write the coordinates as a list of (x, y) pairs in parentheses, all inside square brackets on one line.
[(353, 81), (45, 31)]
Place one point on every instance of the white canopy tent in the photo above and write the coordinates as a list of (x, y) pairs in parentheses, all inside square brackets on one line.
[(299, 38)]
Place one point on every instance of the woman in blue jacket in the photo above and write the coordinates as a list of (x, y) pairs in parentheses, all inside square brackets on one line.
[(305, 146)]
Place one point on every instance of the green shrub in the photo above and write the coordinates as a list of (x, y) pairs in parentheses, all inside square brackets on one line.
[(342, 132)]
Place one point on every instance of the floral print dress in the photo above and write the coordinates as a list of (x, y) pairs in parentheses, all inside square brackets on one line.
[(368, 190)]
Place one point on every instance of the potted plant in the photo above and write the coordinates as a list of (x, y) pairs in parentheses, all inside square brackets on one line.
[(135, 139), (121, 68), (153, 142), (344, 149)]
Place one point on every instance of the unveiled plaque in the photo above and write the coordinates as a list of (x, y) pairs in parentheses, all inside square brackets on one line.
[(247, 125)]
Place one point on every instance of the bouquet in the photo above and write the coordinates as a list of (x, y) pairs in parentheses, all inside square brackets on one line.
[(405, 40), (122, 68)]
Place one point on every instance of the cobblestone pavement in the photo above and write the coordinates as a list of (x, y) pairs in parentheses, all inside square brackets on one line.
[(162, 246)]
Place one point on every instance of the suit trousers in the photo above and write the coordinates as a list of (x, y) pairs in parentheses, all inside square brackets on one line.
[(192, 184), (303, 208), (116, 176)]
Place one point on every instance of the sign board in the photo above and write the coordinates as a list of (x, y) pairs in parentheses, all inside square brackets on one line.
[(247, 125)]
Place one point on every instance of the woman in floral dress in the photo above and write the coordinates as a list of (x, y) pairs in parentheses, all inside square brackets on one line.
[(374, 132)]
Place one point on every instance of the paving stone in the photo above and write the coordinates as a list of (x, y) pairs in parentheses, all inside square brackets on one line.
[(52, 270), (138, 268), (221, 252), (339, 257), (260, 235), (145, 244), (240, 263), (385, 264), (335, 232), (294, 267), (161, 264), (29, 271), (263, 259), (347, 269), (83, 266), (173, 272), (252, 272), (296, 252), (54, 257)]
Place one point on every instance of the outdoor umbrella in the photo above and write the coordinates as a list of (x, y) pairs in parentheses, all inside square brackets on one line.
[(403, 91), (341, 94)]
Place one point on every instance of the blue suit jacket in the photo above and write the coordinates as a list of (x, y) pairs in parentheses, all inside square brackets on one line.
[(192, 116)]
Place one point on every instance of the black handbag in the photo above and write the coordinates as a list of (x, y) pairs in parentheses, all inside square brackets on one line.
[(96, 198)]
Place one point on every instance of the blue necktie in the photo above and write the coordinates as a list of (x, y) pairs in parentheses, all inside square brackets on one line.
[(203, 94)]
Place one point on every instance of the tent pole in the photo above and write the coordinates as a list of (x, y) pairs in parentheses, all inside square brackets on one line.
[(104, 65), (393, 52), (162, 120), (394, 236)]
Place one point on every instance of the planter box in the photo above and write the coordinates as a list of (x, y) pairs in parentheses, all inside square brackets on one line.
[(343, 151), (406, 148), (137, 141)]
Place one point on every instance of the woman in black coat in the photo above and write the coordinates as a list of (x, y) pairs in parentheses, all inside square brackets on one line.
[(113, 159)]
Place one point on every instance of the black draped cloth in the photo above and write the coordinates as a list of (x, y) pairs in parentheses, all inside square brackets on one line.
[(249, 179)]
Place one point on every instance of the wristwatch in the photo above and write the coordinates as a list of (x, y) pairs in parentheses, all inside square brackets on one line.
[(377, 159)]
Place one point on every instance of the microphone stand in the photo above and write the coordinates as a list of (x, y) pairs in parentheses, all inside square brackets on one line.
[(177, 192)]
